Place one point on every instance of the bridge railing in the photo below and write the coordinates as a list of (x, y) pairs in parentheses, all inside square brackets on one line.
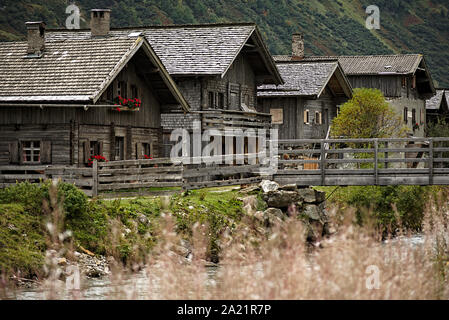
[(420, 161)]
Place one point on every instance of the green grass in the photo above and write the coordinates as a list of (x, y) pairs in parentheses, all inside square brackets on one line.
[(22, 240)]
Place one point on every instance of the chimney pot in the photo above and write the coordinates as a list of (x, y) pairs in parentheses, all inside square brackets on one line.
[(100, 22), (297, 46), (36, 37)]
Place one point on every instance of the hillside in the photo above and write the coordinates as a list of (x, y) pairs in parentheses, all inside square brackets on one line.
[(330, 27)]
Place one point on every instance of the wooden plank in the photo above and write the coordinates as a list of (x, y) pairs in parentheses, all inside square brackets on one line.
[(160, 170), (376, 165), (119, 186), (135, 162), (95, 178), (430, 161), (146, 177)]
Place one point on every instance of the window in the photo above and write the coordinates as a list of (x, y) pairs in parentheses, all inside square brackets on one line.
[(306, 116), (318, 118), (146, 149), (221, 100), (405, 115), (110, 92), (31, 151), (95, 148), (413, 116), (211, 99), (404, 82), (122, 89), (119, 148), (134, 92), (277, 116)]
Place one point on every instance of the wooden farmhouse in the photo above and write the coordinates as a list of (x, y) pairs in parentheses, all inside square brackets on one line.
[(58, 98), (404, 79), (217, 68), (437, 107), (305, 105)]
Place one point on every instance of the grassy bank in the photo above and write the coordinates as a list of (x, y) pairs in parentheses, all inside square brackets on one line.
[(126, 229)]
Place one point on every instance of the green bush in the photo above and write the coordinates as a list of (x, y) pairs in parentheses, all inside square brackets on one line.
[(391, 207)]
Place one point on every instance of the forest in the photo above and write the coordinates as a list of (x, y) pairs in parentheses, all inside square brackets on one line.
[(331, 27)]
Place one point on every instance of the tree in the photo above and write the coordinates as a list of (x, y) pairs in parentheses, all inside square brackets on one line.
[(368, 115)]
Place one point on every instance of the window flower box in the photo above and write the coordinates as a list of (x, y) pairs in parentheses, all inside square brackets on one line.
[(124, 104)]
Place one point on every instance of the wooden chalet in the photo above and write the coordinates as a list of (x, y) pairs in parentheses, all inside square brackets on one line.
[(217, 68), (305, 105), (58, 98), (437, 107), (404, 79)]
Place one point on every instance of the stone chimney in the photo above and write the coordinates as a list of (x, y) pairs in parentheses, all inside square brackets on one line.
[(100, 22), (36, 37), (297, 46)]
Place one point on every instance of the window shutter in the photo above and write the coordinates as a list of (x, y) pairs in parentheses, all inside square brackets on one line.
[(86, 147), (139, 150), (46, 152), (14, 156), (20, 152), (100, 148)]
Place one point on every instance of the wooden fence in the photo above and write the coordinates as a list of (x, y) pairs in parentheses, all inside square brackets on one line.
[(306, 162), (408, 161)]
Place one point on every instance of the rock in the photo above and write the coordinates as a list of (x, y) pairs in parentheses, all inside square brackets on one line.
[(310, 195), (282, 199), (62, 261), (274, 212), (259, 215), (127, 230), (268, 185), (143, 219), (289, 187), (250, 189), (313, 212), (273, 216)]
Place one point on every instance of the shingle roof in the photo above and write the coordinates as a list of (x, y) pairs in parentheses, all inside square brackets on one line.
[(70, 70), (301, 79), (188, 49), (371, 64), (434, 103)]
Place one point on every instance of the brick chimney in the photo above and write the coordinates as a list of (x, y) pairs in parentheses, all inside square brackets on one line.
[(100, 22), (297, 46), (36, 37)]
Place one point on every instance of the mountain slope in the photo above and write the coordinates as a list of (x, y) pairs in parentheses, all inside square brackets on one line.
[(330, 27)]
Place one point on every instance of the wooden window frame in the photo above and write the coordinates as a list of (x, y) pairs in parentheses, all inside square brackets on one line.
[(134, 91), (32, 148), (281, 112), (122, 89), (119, 148), (306, 116), (318, 117)]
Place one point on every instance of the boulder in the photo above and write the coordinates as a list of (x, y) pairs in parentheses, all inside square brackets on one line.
[(310, 195), (312, 212), (273, 216), (282, 199), (268, 185)]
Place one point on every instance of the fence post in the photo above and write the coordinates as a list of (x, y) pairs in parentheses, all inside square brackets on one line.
[(430, 161), (323, 162), (95, 178), (376, 166)]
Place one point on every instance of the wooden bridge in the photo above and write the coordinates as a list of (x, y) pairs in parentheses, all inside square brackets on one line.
[(326, 162), (362, 162)]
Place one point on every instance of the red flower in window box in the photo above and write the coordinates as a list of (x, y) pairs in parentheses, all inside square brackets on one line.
[(98, 158), (131, 104)]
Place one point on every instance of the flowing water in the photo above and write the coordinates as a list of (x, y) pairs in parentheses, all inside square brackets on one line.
[(135, 286)]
